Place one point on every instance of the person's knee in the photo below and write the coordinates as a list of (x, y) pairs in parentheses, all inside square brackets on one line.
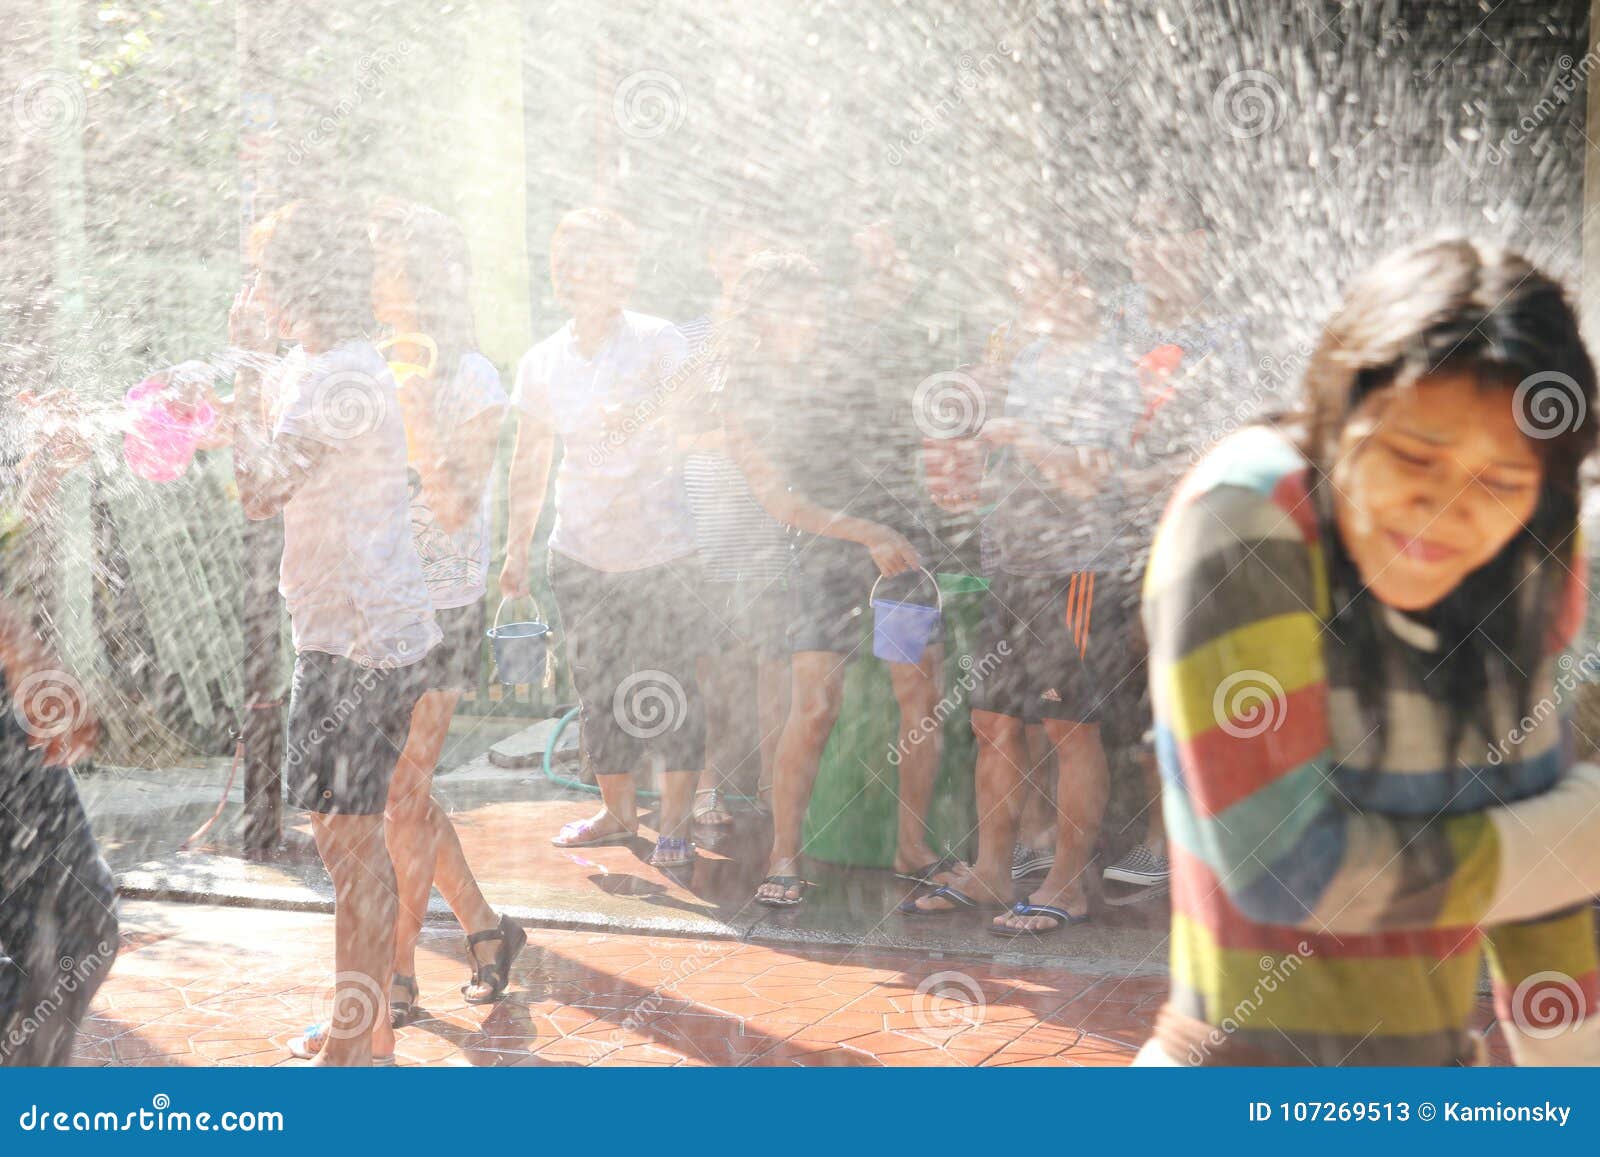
[(408, 809), (349, 842), (1075, 740), (991, 729), (817, 708)]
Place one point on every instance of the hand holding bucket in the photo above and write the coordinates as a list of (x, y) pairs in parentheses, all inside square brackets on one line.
[(521, 650), (901, 631)]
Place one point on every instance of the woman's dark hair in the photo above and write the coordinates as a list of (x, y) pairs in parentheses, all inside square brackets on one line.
[(1461, 306), (438, 268), (316, 262)]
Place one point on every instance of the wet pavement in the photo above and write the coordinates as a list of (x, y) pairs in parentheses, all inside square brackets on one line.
[(198, 984), (224, 959), (208, 985), (506, 816)]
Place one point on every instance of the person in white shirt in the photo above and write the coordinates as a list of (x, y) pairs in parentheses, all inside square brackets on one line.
[(333, 463), (611, 384), (452, 410)]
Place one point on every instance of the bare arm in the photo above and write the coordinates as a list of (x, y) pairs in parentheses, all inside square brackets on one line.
[(455, 470), (269, 469), (890, 550), (529, 477), (47, 700)]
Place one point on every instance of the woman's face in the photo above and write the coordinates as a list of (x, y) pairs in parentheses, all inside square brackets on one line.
[(596, 280), (1430, 483)]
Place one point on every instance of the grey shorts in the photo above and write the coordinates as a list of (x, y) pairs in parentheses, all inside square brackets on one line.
[(347, 726), (454, 664), (632, 639)]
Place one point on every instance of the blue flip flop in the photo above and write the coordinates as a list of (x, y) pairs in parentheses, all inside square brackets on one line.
[(1062, 917)]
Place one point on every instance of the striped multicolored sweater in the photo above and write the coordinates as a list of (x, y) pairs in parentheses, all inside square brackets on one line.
[(1327, 888)]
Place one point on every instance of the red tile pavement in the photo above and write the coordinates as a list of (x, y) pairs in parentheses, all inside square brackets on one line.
[(198, 985)]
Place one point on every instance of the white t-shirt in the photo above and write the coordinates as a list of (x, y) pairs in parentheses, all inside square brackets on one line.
[(456, 566), (350, 576), (620, 498)]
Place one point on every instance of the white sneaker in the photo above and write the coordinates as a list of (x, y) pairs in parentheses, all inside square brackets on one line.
[(1140, 867), (1028, 862)]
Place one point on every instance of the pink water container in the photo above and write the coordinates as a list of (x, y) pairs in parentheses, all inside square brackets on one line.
[(163, 430)]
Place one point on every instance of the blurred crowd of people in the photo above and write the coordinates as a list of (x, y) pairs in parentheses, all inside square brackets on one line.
[(741, 497)]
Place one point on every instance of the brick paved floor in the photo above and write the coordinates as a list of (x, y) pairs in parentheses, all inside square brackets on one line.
[(199, 985)]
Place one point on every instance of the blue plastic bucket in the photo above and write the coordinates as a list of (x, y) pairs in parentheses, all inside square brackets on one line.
[(521, 650), (901, 631)]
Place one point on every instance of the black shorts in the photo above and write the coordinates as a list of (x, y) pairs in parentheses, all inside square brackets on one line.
[(832, 586), (631, 641), (347, 726), (455, 663), (1064, 648), (750, 613)]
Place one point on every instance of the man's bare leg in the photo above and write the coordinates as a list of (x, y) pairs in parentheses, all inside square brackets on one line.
[(772, 708), (1083, 786), (357, 860), (1002, 756), (921, 746), (725, 695), (818, 684), (1037, 824), (420, 837)]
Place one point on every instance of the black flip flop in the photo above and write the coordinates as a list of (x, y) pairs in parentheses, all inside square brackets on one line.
[(404, 1012), (496, 975), (784, 882), (926, 874)]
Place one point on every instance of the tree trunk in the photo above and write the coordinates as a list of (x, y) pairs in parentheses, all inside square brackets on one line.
[(261, 831)]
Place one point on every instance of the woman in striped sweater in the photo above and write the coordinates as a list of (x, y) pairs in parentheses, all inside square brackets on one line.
[(1357, 622)]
